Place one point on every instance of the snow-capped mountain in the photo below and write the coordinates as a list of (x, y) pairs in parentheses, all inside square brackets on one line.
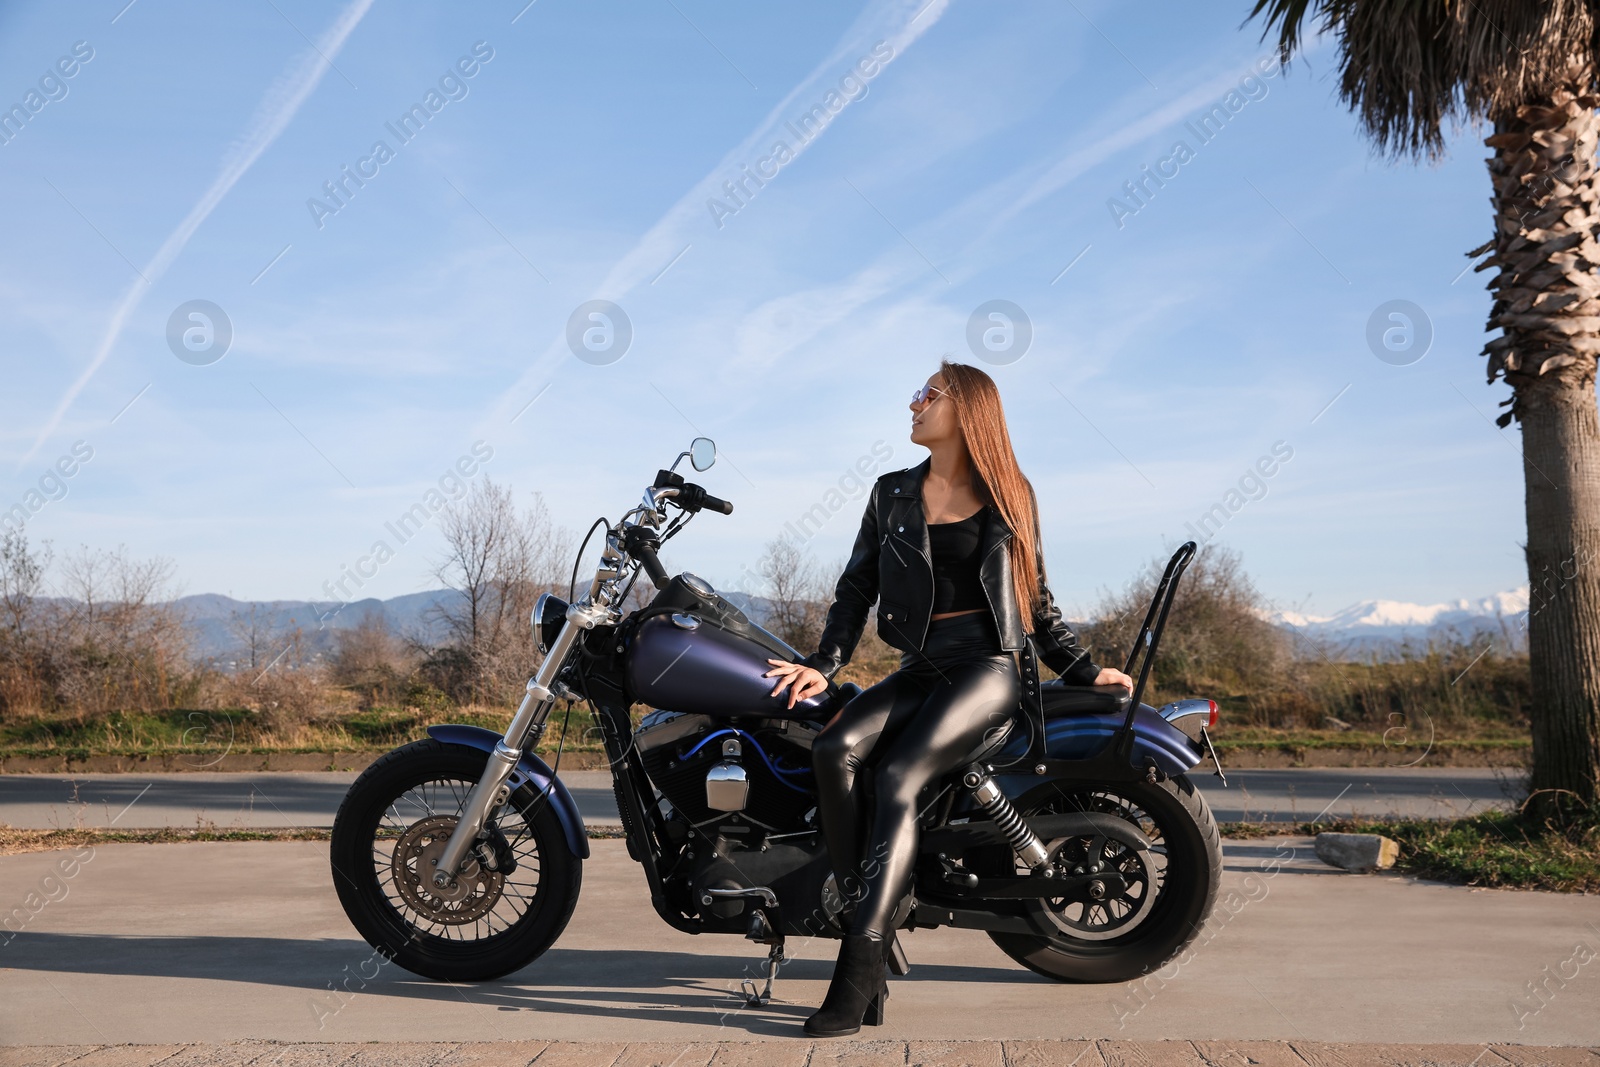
[(1385, 623)]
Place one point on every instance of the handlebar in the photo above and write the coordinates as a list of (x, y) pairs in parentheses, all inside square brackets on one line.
[(687, 495), (634, 536), (641, 543)]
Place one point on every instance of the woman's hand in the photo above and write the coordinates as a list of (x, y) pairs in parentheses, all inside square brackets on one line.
[(807, 681), (1112, 676)]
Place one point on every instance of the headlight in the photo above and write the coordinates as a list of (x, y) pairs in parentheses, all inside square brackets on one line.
[(549, 613)]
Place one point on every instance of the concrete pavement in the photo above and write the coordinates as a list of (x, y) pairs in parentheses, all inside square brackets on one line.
[(276, 799), (227, 942)]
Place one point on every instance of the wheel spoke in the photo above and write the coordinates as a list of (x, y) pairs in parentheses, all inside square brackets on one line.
[(489, 903)]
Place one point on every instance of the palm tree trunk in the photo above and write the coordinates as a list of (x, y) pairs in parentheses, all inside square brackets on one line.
[(1547, 215), (1561, 465)]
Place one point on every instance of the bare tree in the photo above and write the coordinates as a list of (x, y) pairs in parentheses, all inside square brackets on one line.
[(498, 560), (370, 658), (254, 632), (797, 598), (21, 578), (112, 639)]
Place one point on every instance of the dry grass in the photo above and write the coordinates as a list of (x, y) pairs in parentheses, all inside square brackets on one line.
[(14, 841), (1502, 850), (244, 730)]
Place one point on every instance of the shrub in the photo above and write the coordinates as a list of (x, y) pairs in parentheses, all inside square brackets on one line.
[(1217, 638)]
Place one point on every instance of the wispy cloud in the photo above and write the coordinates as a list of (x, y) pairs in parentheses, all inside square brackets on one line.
[(965, 224), (272, 116), (898, 22)]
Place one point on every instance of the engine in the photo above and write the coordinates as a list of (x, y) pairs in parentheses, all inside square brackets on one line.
[(739, 798), (748, 776)]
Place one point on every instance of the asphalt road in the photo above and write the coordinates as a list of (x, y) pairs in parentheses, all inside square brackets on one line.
[(43, 801), (227, 941)]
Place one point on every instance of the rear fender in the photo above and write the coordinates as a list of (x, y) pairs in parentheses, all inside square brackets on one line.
[(1076, 737), (530, 771), (1082, 736)]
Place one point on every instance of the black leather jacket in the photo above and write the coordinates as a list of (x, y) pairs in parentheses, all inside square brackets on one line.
[(891, 563)]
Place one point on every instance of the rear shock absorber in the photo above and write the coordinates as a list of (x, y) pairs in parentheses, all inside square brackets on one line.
[(1023, 841)]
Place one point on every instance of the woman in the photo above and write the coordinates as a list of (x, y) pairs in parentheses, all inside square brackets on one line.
[(958, 611)]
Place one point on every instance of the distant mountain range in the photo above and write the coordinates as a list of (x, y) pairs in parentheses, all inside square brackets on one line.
[(1385, 625), (218, 625), (1370, 626)]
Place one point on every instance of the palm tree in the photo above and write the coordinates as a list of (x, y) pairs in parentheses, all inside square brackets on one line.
[(1528, 68)]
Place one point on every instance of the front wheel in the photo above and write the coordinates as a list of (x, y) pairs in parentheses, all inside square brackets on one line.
[(514, 895), (1165, 895)]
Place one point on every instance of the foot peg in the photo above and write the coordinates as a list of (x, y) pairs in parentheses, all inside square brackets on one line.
[(954, 876)]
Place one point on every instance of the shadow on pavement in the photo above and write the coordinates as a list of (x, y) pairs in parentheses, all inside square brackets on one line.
[(564, 981)]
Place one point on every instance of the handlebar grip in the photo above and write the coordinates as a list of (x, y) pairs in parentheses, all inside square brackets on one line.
[(646, 554), (694, 498)]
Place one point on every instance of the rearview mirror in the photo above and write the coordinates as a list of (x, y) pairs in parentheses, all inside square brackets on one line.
[(702, 453)]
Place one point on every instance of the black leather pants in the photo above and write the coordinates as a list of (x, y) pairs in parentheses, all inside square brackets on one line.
[(923, 720)]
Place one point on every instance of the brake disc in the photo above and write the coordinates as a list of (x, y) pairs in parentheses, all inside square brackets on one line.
[(473, 894)]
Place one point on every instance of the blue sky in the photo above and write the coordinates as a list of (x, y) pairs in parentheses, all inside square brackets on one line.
[(971, 153)]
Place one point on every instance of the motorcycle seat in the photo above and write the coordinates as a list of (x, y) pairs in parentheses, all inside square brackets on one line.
[(1061, 700)]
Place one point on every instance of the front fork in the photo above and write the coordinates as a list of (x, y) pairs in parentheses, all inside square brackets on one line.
[(527, 726)]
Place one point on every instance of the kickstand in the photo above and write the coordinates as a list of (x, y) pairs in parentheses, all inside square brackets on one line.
[(752, 999), (897, 956)]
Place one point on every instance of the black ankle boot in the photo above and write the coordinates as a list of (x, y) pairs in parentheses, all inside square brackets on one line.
[(856, 992)]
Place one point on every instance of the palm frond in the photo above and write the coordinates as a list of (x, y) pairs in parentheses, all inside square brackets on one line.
[(1408, 66)]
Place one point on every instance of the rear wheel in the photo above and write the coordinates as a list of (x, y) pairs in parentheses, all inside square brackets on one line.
[(512, 899), (1165, 892)]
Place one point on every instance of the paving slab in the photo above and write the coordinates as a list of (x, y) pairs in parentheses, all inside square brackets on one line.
[(1052, 1053), (1148, 1053), (1247, 1054), (955, 1054), (494, 1054), (1528, 1056), (121, 1056), (44, 1056)]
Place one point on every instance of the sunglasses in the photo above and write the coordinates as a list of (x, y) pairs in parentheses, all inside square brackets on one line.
[(926, 393)]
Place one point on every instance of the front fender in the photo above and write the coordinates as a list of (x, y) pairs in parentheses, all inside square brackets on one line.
[(530, 770)]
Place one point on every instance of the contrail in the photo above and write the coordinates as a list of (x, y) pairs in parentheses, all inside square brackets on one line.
[(276, 110), (899, 22)]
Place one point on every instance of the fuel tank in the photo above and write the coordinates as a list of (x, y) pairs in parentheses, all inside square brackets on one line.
[(691, 662)]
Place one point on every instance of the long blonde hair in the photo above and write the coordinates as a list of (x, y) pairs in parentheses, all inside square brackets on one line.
[(997, 479)]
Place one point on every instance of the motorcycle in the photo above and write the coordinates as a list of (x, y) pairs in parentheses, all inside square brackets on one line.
[(1076, 839)]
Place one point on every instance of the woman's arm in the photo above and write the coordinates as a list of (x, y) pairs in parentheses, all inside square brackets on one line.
[(853, 596)]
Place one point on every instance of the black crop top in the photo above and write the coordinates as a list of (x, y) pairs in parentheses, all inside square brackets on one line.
[(956, 585)]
